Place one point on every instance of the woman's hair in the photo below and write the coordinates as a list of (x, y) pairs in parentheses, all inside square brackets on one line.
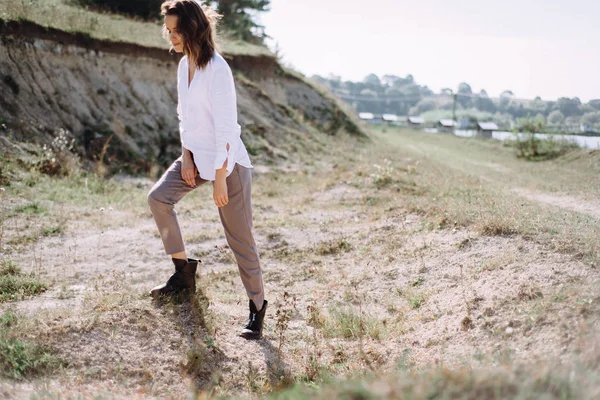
[(198, 27)]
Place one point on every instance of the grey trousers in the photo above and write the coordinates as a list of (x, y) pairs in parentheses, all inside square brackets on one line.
[(236, 218)]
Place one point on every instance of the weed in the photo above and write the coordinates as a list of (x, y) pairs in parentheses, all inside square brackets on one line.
[(417, 281), (315, 316), (30, 209), (52, 230), (415, 299), (15, 285), (21, 358), (255, 381), (333, 247), (383, 176), (284, 316), (345, 322)]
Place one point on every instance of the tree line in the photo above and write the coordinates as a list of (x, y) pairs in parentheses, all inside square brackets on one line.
[(392, 94)]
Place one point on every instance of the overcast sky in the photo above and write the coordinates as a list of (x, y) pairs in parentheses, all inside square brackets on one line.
[(547, 48)]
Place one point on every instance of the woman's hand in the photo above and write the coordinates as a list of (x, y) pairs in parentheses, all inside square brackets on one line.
[(188, 169), (220, 191)]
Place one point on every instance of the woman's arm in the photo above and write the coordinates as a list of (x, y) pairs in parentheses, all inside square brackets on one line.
[(223, 99), (220, 189)]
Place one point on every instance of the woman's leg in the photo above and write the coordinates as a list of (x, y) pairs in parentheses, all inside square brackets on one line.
[(162, 198), (236, 218)]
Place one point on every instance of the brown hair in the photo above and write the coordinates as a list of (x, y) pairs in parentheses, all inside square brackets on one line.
[(198, 27)]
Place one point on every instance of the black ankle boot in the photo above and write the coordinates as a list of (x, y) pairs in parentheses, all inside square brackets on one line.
[(184, 278), (253, 329)]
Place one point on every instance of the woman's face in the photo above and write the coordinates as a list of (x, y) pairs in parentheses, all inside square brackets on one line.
[(174, 36)]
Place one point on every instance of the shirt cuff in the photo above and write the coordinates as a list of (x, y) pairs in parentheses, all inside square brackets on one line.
[(220, 160)]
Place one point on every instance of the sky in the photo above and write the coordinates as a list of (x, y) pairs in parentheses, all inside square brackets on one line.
[(546, 48)]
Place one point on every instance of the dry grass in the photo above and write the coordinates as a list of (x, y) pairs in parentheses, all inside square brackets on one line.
[(69, 17), (417, 279)]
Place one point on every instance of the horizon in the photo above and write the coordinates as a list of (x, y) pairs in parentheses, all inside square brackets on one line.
[(491, 47)]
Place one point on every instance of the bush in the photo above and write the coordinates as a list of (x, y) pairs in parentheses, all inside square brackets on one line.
[(533, 148), (147, 9)]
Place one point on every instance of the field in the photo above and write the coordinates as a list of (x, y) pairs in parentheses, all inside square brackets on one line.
[(412, 265)]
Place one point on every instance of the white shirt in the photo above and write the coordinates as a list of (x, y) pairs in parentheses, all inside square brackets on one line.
[(207, 113)]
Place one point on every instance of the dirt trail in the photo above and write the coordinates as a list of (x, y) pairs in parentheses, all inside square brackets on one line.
[(562, 201)]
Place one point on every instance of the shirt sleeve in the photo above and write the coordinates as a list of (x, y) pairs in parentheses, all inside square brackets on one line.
[(179, 112), (227, 129), (179, 117)]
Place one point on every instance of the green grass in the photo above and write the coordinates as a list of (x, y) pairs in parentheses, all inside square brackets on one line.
[(22, 358), (31, 208), (346, 322), (80, 189), (15, 285), (66, 16)]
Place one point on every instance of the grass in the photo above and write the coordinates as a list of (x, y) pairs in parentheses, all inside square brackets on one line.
[(20, 358), (347, 322), (332, 320), (442, 384), (67, 16), (15, 285), (471, 192), (336, 246)]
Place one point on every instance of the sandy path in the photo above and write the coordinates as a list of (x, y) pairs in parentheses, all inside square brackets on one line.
[(570, 203)]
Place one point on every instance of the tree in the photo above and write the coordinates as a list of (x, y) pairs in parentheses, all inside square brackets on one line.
[(484, 103), (591, 119), (423, 106), (390, 80), (595, 104), (238, 18), (373, 80), (505, 98), (569, 107), (556, 117), (465, 90)]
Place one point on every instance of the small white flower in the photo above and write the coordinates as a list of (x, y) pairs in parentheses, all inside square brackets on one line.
[(2, 189), (101, 209), (53, 160)]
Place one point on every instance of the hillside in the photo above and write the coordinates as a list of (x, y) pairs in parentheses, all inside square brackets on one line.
[(55, 82), (403, 264)]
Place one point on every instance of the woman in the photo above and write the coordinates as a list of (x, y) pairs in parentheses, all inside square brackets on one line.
[(212, 150)]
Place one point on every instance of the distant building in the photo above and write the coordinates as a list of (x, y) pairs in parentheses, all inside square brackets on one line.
[(587, 129), (468, 123), (485, 129), (369, 118), (366, 116), (391, 119), (415, 122), (446, 125)]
